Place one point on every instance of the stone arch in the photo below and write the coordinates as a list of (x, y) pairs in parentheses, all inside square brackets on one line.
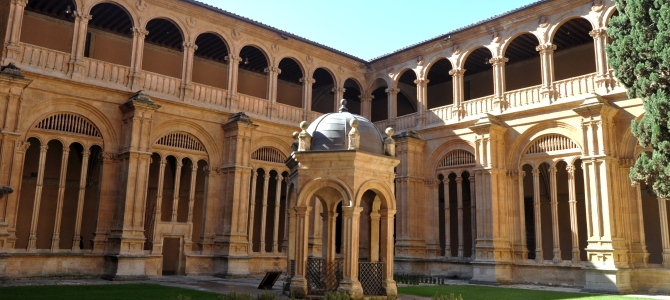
[(313, 186), (216, 33), (100, 120), (382, 190), (293, 57), (517, 149), (274, 142), (466, 54), (185, 34), (507, 42), (373, 84), (396, 77), (609, 13), (426, 69), (444, 149), (120, 4), (203, 136), (258, 46), (551, 32)]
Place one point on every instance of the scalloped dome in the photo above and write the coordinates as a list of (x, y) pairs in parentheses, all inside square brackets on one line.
[(330, 133)]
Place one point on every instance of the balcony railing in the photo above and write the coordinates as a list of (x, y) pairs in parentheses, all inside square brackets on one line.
[(106, 72), (478, 106), (252, 105), (158, 83), (38, 59), (523, 97), (290, 113), (439, 115), (575, 86), (405, 122), (210, 95)]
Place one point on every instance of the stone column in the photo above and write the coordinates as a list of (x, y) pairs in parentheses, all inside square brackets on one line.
[(55, 239), (473, 216), (411, 204), (665, 236), (447, 218), (603, 78), (307, 83), (299, 282), (392, 105), (271, 94), (547, 66), (264, 209), (125, 259), (459, 203), (386, 244), (80, 200), (157, 244), (374, 236), (11, 49), (233, 76), (252, 208), (493, 243), (136, 75), (191, 191), (554, 215), (275, 234), (574, 228), (366, 106), (607, 251), (350, 240), (499, 102), (522, 246), (432, 191), (539, 255), (422, 100), (187, 71), (107, 204), (284, 246), (176, 190), (232, 242), (38, 197), (338, 94), (210, 211), (330, 219), (76, 68), (459, 95)]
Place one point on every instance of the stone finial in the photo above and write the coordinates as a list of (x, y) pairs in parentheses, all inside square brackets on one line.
[(389, 143), (354, 135), (294, 146), (304, 138), (343, 106)]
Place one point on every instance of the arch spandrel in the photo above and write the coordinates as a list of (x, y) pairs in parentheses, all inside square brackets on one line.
[(312, 187)]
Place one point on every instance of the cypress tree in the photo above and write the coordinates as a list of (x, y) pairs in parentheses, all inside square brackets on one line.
[(640, 56)]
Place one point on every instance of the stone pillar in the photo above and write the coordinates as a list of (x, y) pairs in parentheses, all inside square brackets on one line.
[(330, 220), (520, 248), (607, 251), (338, 94), (32, 238), (539, 255), (264, 209), (233, 77), (639, 256), (157, 243), (493, 248), (191, 191), (410, 236), (299, 282), (125, 259), (386, 244), (392, 105), (107, 204), (547, 65), (187, 71), (554, 215), (665, 236), (271, 95), (459, 94), (350, 241), (136, 75), (252, 208), (447, 218), (366, 106), (80, 200), (459, 203), (176, 190), (433, 247), (210, 211), (499, 102), (572, 200), (275, 229), (232, 242), (603, 78), (374, 236), (55, 239), (76, 68), (11, 50), (284, 246), (307, 83), (422, 101), (473, 215)]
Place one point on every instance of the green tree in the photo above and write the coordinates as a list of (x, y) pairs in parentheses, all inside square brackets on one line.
[(640, 56)]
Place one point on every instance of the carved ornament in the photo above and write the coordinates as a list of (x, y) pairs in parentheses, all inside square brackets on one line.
[(141, 5)]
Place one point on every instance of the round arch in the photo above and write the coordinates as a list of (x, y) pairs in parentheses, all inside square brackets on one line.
[(552, 31), (274, 142), (466, 54), (300, 64), (522, 143), (120, 4), (443, 150), (313, 186), (510, 40), (178, 125), (382, 190), (217, 34), (375, 84), (259, 47)]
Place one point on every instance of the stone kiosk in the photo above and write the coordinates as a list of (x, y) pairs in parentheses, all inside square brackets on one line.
[(342, 157)]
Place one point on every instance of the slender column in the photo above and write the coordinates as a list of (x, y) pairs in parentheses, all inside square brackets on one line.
[(307, 83), (83, 174), (38, 197), (473, 219), (459, 93), (78, 44), (329, 247), (55, 239), (366, 106), (157, 242), (665, 236), (252, 206), (187, 71), (271, 94), (233, 76), (547, 65), (350, 240), (286, 215), (447, 219), (12, 51), (603, 78), (136, 76), (338, 94), (175, 194), (574, 228), (299, 282), (499, 102), (538, 215), (275, 235), (386, 241), (392, 104), (191, 192), (554, 215), (522, 216), (459, 203), (374, 236), (422, 100), (264, 213)]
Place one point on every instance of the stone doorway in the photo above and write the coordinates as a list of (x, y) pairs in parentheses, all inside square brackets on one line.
[(171, 256)]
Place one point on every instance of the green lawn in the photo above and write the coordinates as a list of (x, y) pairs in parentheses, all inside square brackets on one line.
[(470, 292), (101, 292)]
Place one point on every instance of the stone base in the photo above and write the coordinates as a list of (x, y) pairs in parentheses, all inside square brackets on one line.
[(433, 267), (124, 267), (351, 287), (299, 288), (391, 288), (607, 281), (491, 273), (231, 266)]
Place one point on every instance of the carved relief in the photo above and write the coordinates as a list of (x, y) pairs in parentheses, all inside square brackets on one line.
[(236, 34), (543, 21), (141, 5), (456, 49), (310, 59), (275, 48), (496, 37), (191, 21), (420, 60)]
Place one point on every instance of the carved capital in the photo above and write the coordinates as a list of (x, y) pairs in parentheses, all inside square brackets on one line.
[(421, 82), (536, 172), (546, 48), (570, 169), (44, 148), (85, 153), (20, 2), (392, 90), (139, 32), (272, 70), (22, 146), (499, 60), (598, 33), (307, 80), (232, 58), (82, 16), (189, 46), (457, 72), (338, 89), (108, 157)]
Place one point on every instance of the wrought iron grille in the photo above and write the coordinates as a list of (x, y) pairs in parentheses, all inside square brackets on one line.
[(323, 276), (371, 276)]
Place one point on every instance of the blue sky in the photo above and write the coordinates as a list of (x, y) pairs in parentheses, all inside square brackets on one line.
[(368, 28)]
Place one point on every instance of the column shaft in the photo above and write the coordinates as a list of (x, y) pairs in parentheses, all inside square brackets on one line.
[(574, 227), (14, 24), (191, 192), (264, 212), (547, 67), (233, 76), (459, 93), (392, 104), (175, 194), (187, 70), (136, 76), (275, 234), (473, 219), (307, 83), (38, 197), (156, 249), (447, 219), (80, 200), (252, 207), (538, 215), (459, 201), (55, 240), (665, 235), (499, 86), (554, 216)]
